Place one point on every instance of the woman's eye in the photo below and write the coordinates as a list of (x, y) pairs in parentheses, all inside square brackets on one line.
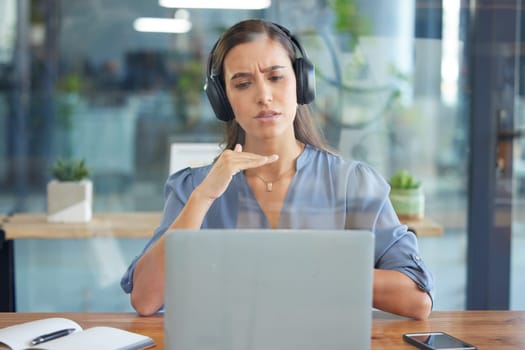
[(242, 85), (276, 77)]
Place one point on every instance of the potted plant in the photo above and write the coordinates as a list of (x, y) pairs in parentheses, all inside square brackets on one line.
[(70, 193), (188, 92), (407, 196)]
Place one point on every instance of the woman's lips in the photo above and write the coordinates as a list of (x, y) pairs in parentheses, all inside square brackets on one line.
[(267, 116)]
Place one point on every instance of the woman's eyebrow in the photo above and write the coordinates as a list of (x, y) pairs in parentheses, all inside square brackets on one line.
[(271, 68), (264, 70), (240, 75)]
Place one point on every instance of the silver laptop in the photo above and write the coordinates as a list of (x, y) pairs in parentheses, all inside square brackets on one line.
[(268, 289)]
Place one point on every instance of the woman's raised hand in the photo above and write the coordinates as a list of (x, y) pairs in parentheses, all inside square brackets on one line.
[(229, 163)]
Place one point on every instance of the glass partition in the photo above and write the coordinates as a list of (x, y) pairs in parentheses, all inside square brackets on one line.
[(390, 91)]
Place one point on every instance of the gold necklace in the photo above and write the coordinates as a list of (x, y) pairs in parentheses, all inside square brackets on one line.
[(269, 184)]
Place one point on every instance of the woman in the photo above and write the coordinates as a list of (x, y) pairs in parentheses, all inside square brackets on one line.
[(275, 172)]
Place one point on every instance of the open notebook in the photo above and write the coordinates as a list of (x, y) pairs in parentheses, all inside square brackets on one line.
[(268, 289), (19, 337)]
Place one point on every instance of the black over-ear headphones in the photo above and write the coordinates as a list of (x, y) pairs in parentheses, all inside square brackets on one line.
[(304, 74)]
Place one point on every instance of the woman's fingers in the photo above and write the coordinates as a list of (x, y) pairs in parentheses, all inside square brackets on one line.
[(251, 160), (254, 160), (237, 160), (229, 163)]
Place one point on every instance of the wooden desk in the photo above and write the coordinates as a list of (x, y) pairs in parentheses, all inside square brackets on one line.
[(488, 330), (119, 225)]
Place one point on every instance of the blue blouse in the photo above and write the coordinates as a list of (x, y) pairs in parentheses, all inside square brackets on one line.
[(326, 192)]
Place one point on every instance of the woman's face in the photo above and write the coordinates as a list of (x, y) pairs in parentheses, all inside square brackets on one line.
[(261, 88)]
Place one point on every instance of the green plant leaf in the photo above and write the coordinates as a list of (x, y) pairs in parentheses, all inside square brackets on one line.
[(70, 170), (404, 180)]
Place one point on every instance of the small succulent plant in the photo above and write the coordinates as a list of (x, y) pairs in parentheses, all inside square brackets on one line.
[(404, 180), (70, 170)]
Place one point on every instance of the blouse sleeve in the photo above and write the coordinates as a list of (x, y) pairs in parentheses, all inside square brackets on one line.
[(396, 248), (177, 190)]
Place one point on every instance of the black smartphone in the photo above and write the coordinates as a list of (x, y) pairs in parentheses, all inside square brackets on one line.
[(436, 341)]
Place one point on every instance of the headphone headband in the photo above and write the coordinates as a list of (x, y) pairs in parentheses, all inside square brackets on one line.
[(292, 38)]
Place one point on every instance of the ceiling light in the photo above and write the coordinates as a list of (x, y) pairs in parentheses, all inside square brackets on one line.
[(217, 4), (182, 14), (161, 25)]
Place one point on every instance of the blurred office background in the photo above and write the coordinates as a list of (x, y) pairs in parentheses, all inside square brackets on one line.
[(396, 87)]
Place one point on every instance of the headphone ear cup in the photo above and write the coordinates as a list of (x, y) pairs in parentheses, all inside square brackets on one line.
[(218, 99), (305, 77)]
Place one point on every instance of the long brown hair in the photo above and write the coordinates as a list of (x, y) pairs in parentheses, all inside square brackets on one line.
[(306, 131)]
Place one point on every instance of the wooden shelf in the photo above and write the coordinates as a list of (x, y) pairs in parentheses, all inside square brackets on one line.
[(122, 225), (425, 227), (128, 225)]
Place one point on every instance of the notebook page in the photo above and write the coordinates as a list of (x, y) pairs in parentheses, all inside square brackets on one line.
[(100, 338), (19, 336)]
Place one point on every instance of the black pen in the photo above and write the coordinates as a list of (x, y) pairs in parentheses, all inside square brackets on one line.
[(53, 335)]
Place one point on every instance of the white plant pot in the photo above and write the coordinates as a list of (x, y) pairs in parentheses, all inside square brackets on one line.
[(409, 204), (69, 201)]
